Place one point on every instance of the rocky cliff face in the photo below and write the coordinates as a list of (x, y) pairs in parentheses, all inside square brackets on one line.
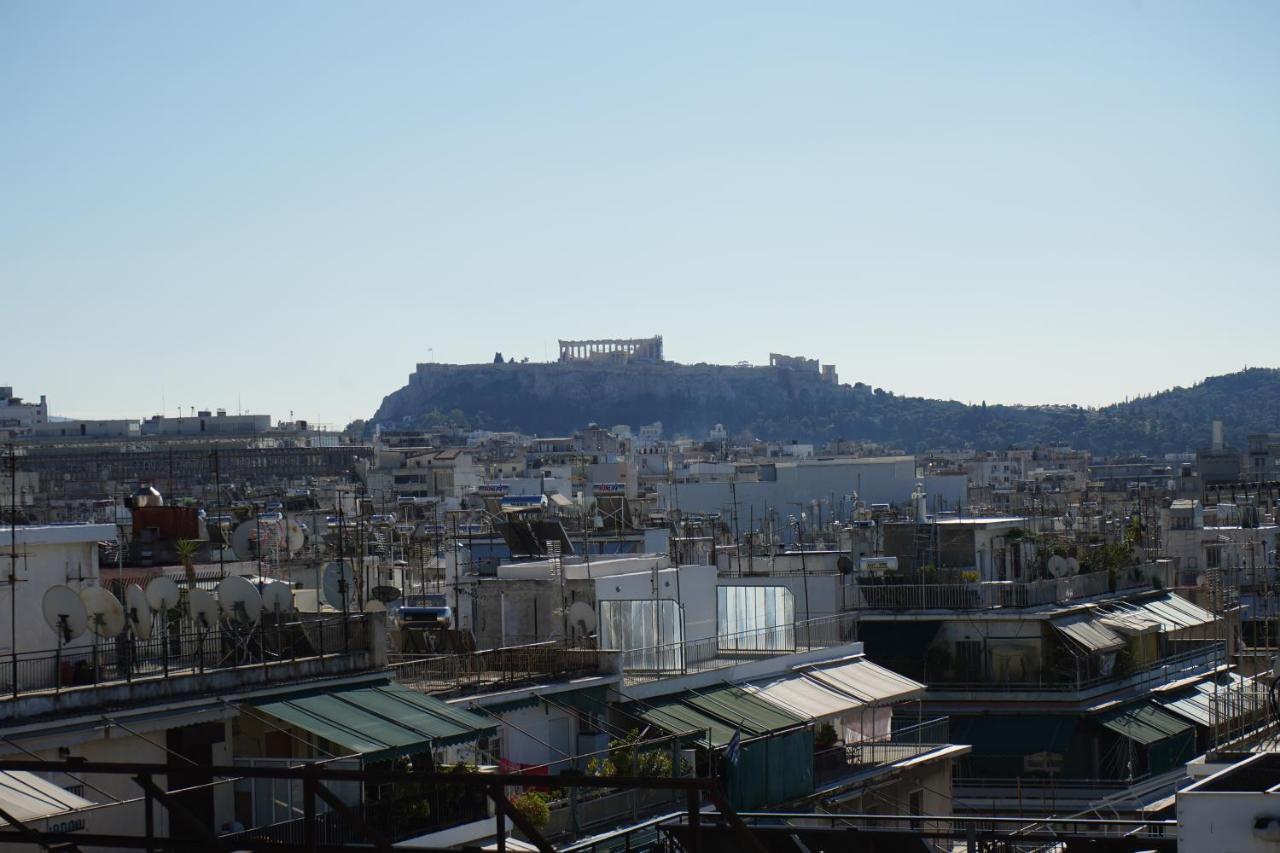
[(783, 404), (558, 398)]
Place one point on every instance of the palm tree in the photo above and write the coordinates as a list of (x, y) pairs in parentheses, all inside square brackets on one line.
[(187, 549)]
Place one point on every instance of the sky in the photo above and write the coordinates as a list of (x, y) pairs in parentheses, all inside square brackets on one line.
[(283, 207)]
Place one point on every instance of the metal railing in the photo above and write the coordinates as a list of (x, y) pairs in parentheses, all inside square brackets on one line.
[(495, 666), (181, 649), (979, 595), (725, 650), (898, 745), (1170, 668)]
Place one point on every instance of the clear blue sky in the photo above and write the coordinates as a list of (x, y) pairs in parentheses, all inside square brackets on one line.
[(291, 204)]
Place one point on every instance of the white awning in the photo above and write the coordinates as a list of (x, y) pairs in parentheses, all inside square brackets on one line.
[(805, 697), (28, 797), (559, 499), (864, 680), (1090, 631), (1234, 697)]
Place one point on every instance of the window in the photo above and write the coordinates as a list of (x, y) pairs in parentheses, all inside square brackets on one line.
[(1212, 557), (915, 807), (969, 660), (755, 618)]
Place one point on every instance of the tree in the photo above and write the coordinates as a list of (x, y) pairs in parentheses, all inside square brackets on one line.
[(187, 550)]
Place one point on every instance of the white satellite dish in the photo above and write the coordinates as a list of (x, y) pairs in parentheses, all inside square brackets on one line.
[(240, 600), (373, 605), (1073, 566), (137, 611), (277, 597), (162, 594), (106, 613), (295, 536), (203, 608), (582, 616), (1057, 566), (336, 585), (261, 537), (65, 613)]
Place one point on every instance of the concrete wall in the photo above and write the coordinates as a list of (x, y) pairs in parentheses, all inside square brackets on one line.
[(47, 556)]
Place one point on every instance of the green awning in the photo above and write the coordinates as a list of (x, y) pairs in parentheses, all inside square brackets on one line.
[(737, 707), (1145, 724), (378, 721), (717, 710), (674, 717), (1014, 735)]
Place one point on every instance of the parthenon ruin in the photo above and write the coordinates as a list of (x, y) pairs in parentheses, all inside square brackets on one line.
[(622, 349)]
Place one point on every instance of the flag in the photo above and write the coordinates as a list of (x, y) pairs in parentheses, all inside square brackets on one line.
[(735, 746)]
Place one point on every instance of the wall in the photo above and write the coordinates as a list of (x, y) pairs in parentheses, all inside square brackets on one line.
[(47, 556)]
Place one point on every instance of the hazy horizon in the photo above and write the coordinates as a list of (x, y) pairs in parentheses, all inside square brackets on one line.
[(284, 207)]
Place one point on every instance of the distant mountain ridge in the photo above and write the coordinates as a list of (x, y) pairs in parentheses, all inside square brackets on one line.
[(785, 404)]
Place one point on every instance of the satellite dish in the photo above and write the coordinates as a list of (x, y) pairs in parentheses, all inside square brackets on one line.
[(1057, 566), (295, 536), (385, 594), (263, 536), (374, 606), (336, 584), (203, 608), (137, 611), (64, 612), (1073, 566), (240, 600), (582, 616), (277, 597), (162, 594), (844, 564), (106, 613)]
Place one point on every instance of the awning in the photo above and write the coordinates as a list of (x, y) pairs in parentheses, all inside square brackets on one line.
[(26, 796), (1235, 697), (1171, 612), (379, 721), (559, 499), (865, 681), (674, 717), (1175, 613), (716, 713), (737, 707), (1145, 724), (1011, 735), (804, 696), (1087, 629)]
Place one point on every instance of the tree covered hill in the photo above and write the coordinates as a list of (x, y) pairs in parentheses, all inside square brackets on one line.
[(783, 404)]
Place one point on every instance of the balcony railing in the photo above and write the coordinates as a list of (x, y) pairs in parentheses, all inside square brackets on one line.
[(1168, 669), (496, 666), (182, 650), (985, 595), (845, 759), (725, 650)]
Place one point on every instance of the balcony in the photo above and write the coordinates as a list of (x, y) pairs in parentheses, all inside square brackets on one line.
[(652, 663), (983, 595), (844, 761), (130, 671), (496, 668)]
